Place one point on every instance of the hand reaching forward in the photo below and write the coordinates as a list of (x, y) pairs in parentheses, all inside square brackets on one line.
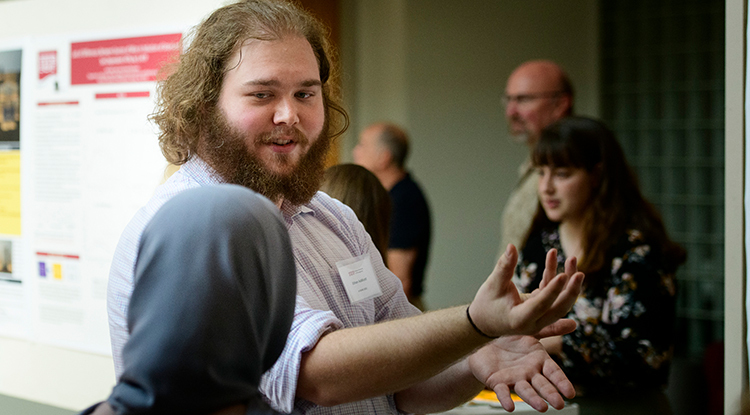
[(498, 309), (520, 362)]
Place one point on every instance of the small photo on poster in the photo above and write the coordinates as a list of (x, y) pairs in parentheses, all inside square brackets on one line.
[(6, 261), (10, 99), (48, 71)]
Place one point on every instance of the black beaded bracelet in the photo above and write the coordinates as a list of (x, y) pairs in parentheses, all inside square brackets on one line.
[(474, 325)]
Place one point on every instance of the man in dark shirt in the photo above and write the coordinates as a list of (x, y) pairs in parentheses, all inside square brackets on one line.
[(383, 149)]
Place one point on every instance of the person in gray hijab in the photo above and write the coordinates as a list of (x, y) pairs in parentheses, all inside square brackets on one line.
[(211, 309)]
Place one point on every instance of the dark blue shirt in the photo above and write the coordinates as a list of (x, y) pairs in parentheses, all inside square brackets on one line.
[(411, 227)]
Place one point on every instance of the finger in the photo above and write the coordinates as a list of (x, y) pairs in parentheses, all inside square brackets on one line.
[(530, 396), (564, 301), (542, 300), (570, 293), (558, 328), (571, 265), (556, 375), (503, 395), (550, 268), (547, 391)]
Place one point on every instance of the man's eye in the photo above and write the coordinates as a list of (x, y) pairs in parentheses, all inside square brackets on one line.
[(304, 95), (260, 95), (522, 99)]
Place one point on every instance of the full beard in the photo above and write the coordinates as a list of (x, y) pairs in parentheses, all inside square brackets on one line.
[(225, 149)]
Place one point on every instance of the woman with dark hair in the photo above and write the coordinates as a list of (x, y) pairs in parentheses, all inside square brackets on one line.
[(591, 208), (358, 188)]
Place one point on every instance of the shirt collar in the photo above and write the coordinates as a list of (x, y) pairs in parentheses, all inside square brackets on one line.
[(204, 174), (525, 168), (201, 172), (289, 210)]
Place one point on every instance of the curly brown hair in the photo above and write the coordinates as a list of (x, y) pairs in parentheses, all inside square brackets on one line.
[(617, 203), (187, 95)]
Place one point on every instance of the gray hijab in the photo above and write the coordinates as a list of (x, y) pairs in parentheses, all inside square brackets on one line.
[(212, 305)]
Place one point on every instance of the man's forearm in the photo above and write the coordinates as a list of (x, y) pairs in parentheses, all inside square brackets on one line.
[(442, 392), (364, 362)]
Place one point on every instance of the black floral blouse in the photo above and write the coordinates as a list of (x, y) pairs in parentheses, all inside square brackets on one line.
[(625, 315)]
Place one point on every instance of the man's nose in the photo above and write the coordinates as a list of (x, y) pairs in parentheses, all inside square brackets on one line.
[(511, 108), (286, 112)]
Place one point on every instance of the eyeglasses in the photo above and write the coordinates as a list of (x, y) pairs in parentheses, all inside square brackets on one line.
[(522, 99)]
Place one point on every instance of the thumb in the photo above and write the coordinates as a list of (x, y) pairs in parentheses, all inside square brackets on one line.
[(496, 283), (506, 265)]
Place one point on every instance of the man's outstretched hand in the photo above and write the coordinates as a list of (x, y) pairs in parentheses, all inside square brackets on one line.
[(520, 363), (499, 310), (517, 360)]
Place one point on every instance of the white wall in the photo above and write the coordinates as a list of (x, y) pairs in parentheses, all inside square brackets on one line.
[(444, 81)]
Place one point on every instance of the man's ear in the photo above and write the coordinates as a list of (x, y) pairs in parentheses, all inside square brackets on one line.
[(384, 159), (563, 105)]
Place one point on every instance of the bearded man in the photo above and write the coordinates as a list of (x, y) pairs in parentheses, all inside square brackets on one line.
[(253, 101)]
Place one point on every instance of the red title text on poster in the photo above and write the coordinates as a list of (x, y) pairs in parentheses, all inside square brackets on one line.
[(136, 59)]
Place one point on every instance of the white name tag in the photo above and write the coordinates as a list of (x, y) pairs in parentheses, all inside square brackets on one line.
[(359, 278)]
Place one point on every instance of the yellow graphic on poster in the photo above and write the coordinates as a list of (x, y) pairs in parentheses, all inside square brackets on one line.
[(10, 192), (57, 271)]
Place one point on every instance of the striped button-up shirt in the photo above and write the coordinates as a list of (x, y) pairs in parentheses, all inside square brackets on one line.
[(323, 232)]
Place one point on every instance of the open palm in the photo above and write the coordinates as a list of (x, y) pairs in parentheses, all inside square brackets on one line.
[(521, 363)]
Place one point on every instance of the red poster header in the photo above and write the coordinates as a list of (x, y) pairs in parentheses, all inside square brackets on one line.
[(136, 59)]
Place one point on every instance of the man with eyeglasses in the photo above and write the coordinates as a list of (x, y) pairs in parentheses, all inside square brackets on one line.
[(537, 94)]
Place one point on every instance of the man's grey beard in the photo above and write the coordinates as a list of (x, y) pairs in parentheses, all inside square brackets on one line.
[(225, 150), (523, 137), (520, 138)]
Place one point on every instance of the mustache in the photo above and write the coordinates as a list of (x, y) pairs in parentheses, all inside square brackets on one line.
[(284, 132)]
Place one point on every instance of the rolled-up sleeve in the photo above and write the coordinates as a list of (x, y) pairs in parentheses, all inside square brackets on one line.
[(279, 384)]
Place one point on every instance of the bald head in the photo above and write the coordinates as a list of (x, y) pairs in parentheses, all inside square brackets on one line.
[(537, 94), (382, 145)]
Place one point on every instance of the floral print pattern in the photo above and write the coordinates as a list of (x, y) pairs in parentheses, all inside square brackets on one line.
[(625, 315)]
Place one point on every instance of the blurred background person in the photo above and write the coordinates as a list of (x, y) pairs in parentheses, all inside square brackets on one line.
[(358, 188), (538, 93), (383, 149), (590, 207)]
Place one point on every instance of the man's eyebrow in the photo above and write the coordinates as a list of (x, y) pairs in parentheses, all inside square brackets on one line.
[(312, 82), (274, 82), (261, 82)]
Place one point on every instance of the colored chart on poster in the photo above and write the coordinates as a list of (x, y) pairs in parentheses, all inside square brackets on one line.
[(10, 192)]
